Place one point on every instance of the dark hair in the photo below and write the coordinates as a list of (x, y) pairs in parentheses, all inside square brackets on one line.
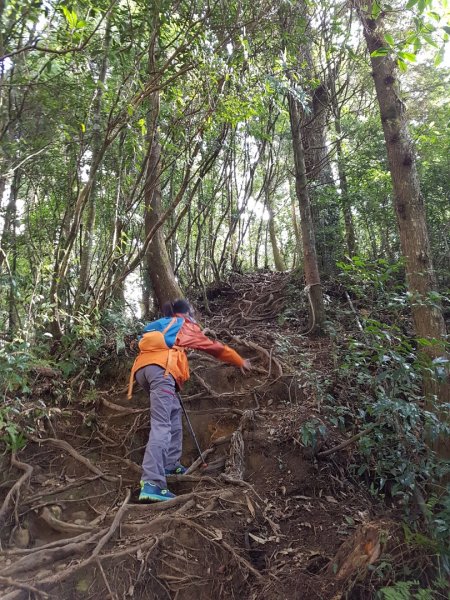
[(177, 306), (181, 306), (167, 309)]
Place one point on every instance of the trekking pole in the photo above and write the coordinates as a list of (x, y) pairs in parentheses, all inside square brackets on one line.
[(194, 437)]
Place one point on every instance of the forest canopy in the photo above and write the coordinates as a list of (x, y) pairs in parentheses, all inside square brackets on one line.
[(125, 129)]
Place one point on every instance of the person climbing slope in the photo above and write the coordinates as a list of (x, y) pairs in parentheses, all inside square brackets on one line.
[(161, 368)]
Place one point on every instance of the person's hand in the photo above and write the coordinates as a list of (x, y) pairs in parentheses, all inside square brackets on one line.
[(246, 367)]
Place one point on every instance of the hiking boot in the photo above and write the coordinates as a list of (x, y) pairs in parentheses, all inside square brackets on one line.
[(177, 470), (150, 491)]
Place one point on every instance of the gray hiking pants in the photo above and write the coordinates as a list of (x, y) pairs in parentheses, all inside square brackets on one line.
[(164, 445)]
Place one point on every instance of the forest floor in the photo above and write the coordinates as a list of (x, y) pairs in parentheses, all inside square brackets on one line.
[(267, 519)]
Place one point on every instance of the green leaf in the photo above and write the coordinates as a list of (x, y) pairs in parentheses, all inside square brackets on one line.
[(71, 17), (376, 10), (402, 65), (439, 57), (389, 39), (411, 3), (427, 37), (446, 28), (409, 56), (380, 52)]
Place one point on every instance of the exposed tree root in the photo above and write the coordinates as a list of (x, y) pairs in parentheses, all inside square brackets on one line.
[(61, 526), (49, 556), (15, 490), (57, 544), (222, 536), (71, 450), (235, 464), (8, 581), (63, 489), (123, 410)]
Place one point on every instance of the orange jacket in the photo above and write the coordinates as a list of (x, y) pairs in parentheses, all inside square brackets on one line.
[(164, 343)]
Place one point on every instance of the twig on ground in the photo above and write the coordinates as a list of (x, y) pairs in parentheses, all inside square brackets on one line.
[(351, 440), (112, 596), (211, 538), (114, 525)]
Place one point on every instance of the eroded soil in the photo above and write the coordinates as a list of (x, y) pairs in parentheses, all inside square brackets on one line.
[(264, 520)]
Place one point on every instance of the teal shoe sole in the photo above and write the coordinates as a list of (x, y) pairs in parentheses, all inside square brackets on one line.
[(152, 497)]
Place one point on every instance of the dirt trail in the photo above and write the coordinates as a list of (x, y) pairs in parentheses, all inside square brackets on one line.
[(264, 520)]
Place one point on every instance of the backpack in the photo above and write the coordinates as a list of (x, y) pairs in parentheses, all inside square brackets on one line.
[(154, 341)]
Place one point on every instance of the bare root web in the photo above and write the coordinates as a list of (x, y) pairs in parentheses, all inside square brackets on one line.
[(262, 521)]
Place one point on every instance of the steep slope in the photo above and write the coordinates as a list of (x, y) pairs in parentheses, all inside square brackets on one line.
[(264, 520)]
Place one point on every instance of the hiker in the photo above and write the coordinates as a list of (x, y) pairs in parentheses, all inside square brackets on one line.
[(161, 368)]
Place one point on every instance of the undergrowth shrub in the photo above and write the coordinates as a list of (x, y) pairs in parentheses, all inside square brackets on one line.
[(88, 342), (379, 376)]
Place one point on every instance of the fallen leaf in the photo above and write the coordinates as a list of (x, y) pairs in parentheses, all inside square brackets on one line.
[(260, 540), (331, 499), (250, 507)]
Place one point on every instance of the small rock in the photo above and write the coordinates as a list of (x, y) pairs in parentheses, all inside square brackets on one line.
[(79, 515), (22, 537), (56, 511)]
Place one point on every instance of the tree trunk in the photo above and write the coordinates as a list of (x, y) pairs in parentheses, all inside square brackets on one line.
[(312, 277), (8, 232), (298, 237), (277, 257), (325, 210), (409, 207), (157, 260), (350, 237), (87, 245), (8, 245)]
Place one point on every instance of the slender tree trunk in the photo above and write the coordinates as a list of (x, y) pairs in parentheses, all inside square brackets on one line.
[(409, 207), (266, 248), (324, 206), (258, 243), (157, 260), (87, 244), (312, 277), (277, 257), (298, 237), (9, 221), (350, 237), (8, 246)]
